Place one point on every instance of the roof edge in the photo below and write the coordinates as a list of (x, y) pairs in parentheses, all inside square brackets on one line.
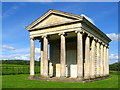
[(95, 28)]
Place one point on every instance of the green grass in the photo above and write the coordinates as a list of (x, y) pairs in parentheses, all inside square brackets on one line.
[(17, 69), (13, 65), (21, 81)]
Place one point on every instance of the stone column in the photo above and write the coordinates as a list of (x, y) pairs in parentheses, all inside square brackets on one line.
[(80, 54), (87, 58), (41, 59), (107, 60), (101, 60), (45, 56), (32, 55), (104, 61), (98, 59), (92, 61), (62, 55)]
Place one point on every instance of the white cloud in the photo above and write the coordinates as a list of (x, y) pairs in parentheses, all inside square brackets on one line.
[(113, 36), (37, 50), (17, 57), (89, 19), (8, 47), (10, 11), (18, 54), (19, 50), (113, 58)]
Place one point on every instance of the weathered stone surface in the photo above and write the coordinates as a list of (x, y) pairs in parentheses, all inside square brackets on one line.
[(50, 69), (53, 20), (32, 56), (87, 58), (57, 70), (45, 54), (79, 55), (68, 79), (62, 56), (73, 71), (66, 71)]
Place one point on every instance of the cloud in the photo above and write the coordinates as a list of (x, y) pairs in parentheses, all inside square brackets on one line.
[(8, 47), (89, 19), (17, 57), (10, 11), (19, 50), (113, 58), (18, 54), (37, 50), (113, 36)]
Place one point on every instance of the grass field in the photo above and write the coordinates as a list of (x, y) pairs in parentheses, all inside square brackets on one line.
[(17, 69), (21, 81)]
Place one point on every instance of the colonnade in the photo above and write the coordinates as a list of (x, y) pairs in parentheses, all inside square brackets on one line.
[(95, 64)]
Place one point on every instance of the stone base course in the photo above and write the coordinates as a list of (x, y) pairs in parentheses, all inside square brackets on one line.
[(72, 80)]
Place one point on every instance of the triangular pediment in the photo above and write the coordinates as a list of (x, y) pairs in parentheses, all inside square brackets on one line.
[(52, 18)]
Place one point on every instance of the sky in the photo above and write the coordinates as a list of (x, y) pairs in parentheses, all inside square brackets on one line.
[(17, 15)]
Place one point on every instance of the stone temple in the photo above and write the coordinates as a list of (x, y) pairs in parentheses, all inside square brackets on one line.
[(78, 49)]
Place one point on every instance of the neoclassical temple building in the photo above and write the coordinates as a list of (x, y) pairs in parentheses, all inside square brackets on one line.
[(78, 49)]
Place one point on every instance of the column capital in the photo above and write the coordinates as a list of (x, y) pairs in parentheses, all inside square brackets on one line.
[(107, 46), (79, 31), (44, 36), (32, 38), (95, 39), (89, 35), (99, 41), (102, 43), (61, 33)]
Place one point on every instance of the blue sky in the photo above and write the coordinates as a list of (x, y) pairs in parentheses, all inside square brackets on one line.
[(16, 16)]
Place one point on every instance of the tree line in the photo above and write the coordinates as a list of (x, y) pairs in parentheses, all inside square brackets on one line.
[(114, 66), (18, 62)]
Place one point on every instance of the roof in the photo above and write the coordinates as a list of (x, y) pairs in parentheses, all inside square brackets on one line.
[(52, 11), (77, 18)]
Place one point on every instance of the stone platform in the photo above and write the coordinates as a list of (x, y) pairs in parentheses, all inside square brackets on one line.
[(72, 80)]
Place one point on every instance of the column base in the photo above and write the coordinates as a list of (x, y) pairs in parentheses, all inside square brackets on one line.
[(80, 78), (50, 76), (106, 75), (98, 75), (31, 77), (62, 77), (101, 75), (45, 76), (92, 77), (86, 77)]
